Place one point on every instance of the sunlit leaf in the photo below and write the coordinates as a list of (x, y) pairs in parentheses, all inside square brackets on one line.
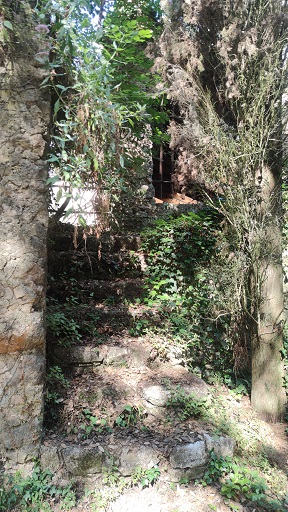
[(59, 195), (8, 24)]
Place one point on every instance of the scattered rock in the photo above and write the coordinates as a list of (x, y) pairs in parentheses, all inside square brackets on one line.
[(115, 355), (222, 446), (77, 355), (189, 459), (49, 458), (196, 386), (84, 461), (134, 456), (140, 353), (156, 395)]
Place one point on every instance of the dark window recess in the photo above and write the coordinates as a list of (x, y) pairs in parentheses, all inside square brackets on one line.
[(163, 169)]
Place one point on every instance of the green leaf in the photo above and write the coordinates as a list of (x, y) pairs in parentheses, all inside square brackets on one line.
[(145, 33), (122, 164), (64, 156), (8, 24), (59, 195), (59, 86), (51, 181), (53, 158), (85, 23), (68, 212), (93, 420), (56, 106), (45, 81), (81, 220), (66, 175)]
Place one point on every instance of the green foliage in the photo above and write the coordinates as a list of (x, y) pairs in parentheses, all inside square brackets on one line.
[(55, 377), (126, 30), (178, 252), (6, 28), (139, 326), (184, 481), (61, 323), (244, 482), (93, 424), (146, 477), (218, 466), (186, 406), (239, 482), (112, 477), (130, 415), (15, 30), (67, 319), (37, 493), (56, 384), (103, 92), (181, 282)]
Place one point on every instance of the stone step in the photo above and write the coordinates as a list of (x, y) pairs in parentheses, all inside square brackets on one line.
[(87, 264), (114, 314), (184, 455), (97, 320), (112, 290), (110, 393), (132, 352), (105, 244), (127, 371)]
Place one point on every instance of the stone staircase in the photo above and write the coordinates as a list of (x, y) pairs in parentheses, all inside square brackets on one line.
[(111, 408)]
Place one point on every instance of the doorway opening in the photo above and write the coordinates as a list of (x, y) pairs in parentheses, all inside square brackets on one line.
[(163, 170)]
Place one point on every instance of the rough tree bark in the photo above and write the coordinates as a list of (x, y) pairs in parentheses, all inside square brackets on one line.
[(25, 116), (267, 392)]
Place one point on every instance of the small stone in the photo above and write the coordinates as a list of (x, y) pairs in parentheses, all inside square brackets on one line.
[(133, 456), (222, 446), (156, 395), (82, 461), (189, 455)]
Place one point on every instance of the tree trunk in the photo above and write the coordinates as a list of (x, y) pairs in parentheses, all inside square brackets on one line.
[(268, 394), (244, 80), (25, 115)]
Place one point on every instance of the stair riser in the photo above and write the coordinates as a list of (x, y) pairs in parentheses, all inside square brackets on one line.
[(112, 291), (88, 265), (103, 245)]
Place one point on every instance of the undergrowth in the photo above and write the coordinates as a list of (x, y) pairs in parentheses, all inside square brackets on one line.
[(68, 318), (34, 493), (240, 482), (181, 283), (181, 287), (186, 405)]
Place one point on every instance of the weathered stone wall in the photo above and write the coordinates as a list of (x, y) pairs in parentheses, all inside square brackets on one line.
[(25, 115)]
